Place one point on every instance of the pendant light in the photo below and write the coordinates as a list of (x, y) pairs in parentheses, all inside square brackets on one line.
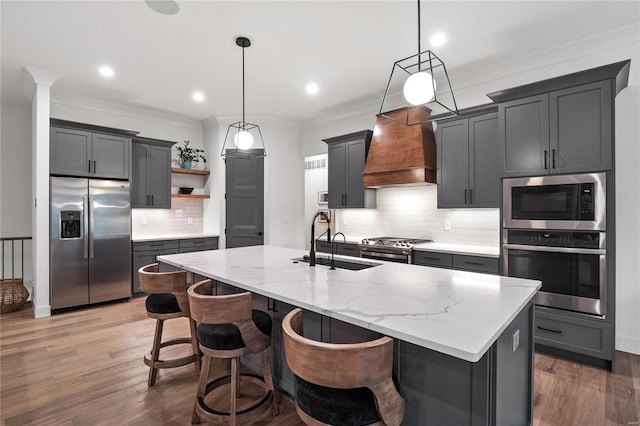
[(421, 102), (243, 139)]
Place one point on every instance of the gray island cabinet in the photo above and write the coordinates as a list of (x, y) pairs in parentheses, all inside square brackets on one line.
[(463, 340)]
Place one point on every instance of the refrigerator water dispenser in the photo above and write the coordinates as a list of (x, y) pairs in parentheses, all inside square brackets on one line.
[(69, 224)]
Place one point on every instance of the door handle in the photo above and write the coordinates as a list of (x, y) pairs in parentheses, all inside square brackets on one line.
[(95, 168), (89, 166), (152, 202), (550, 330), (85, 253), (471, 196), (91, 238), (465, 196), (259, 233), (545, 159), (553, 158)]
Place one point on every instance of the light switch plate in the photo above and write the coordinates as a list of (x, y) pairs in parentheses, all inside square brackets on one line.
[(143, 221), (447, 225), (189, 221), (515, 340)]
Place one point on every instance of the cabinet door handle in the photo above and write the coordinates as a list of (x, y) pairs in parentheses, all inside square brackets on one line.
[(474, 263), (471, 196), (431, 258), (545, 159), (152, 201), (89, 165), (346, 199), (465, 197), (550, 330), (553, 158), (95, 169)]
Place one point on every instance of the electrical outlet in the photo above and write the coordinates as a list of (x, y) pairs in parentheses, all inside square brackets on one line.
[(143, 221), (515, 340), (447, 225), (189, 221)]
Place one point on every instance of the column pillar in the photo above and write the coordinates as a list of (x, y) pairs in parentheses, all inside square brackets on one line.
[(36, 85)]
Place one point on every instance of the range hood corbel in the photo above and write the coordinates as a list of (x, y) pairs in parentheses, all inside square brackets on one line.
[(401, 154)]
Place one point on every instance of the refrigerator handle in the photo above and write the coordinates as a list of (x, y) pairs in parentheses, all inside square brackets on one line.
[(85, 230), (91, 237)]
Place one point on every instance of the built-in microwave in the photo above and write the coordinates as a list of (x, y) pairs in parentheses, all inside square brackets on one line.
[(555, 202)]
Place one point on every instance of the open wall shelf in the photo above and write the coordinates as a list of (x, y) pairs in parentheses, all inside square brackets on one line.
[(190, 171), (199, 196)]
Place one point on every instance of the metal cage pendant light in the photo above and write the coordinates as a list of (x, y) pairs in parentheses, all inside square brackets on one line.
[(421, 102), (243, 139)]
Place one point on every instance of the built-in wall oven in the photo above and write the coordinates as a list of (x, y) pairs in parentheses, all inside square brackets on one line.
[(554, 230)]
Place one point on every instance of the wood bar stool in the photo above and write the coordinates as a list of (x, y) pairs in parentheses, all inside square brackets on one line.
[(228, 328), (167, 299), (341, 384)]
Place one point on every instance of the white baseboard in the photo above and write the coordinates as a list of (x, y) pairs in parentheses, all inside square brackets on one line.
[(628, 344), (41, 311)]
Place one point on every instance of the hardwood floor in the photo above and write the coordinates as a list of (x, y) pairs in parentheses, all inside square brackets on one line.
[(85, 368)]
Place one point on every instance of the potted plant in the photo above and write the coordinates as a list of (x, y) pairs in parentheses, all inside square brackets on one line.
[(188, 155)]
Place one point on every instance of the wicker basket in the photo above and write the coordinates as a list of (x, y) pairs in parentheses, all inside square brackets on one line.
[(13, 295)]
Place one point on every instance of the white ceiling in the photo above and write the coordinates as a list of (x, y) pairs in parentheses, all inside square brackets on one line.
[(347, 47)]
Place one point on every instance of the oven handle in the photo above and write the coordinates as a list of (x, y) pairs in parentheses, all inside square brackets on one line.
[(572, 250)]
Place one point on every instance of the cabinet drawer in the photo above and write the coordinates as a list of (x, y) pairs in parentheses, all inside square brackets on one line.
[(197, 244), (156, 245), (347, 249), (575, 335), (429, 258), (323, 246), (475, 263)]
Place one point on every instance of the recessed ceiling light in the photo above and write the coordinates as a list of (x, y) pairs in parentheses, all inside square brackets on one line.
[(198, 97), (106, 71), (312, 88), (438, 39), (165, 7)]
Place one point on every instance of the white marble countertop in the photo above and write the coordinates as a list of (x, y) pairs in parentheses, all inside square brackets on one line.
[(143, 238), (468, 249), (454, 312)]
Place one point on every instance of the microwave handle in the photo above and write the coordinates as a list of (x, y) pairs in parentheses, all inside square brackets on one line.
[(572, 250)]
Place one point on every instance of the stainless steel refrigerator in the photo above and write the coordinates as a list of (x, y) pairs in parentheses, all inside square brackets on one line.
[(90, 250)]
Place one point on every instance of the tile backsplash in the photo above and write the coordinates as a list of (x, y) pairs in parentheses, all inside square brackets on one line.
[(411, 211), (174, 221)]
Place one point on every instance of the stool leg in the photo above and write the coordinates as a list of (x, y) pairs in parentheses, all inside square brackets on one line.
[(234, 391), (268, 380), (155, 353), (202, 385), (194, 344)]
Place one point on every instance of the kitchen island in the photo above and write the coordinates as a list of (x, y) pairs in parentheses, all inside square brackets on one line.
[(464, 341)]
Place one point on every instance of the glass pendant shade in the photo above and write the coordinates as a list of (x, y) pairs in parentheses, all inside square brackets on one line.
[(419, 88), (243, 140)]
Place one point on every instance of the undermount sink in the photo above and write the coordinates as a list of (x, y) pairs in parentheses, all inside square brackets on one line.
[(352, 265)]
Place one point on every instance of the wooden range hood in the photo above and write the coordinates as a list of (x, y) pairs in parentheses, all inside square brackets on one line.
[(401, 154)]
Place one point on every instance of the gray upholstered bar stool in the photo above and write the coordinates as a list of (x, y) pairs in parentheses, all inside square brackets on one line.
[(341, 384), (167, 299), (228, 328)]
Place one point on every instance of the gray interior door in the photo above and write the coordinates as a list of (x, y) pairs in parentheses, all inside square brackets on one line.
[(244, 202)]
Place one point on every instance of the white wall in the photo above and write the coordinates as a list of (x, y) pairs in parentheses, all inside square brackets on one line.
[(471, 90), (15, 188)]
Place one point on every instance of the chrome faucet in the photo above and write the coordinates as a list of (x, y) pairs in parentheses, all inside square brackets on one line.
[(312, 253), (333, 241)]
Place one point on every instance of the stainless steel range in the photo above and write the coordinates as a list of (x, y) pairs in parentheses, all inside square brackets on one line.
[(391, 249)]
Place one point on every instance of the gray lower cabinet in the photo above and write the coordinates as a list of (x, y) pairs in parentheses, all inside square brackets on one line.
[(151, 174), (574, 332), (562, 131), (145, 253), (468, 166), (483, 264), (341, 248), (75, 152), (346, 159)]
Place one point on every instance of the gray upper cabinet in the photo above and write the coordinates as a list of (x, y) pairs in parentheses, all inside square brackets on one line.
[(151, 174), (76, 152), (468, 167), (347, 155), (560, 125)]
